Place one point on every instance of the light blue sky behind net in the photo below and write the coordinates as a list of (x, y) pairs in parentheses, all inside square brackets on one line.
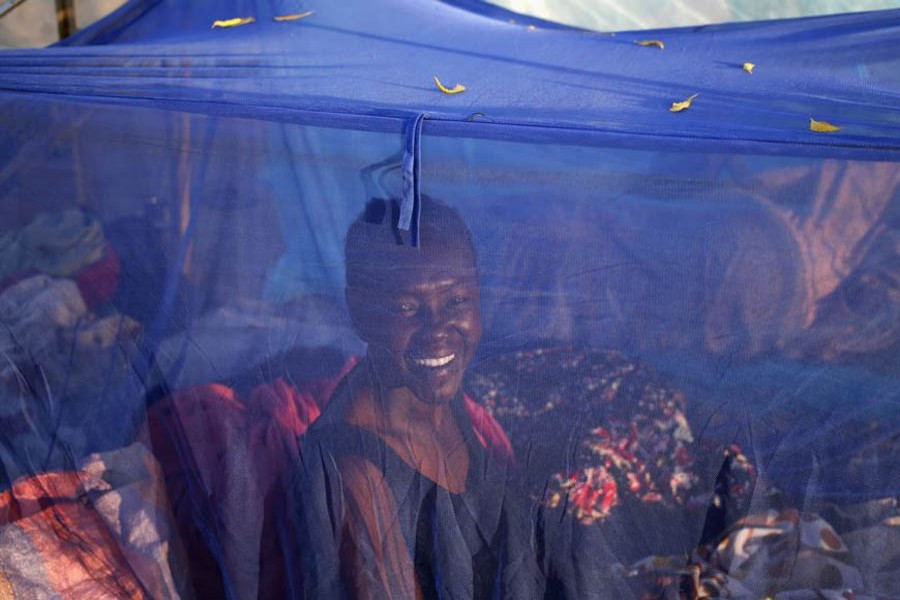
[(650, 14)]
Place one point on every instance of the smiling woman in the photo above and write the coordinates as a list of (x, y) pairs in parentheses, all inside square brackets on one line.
[(418, 308), (404, 482)]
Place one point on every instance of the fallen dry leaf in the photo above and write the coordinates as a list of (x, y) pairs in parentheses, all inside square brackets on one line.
[(454, 90), (822, 126), (656, 43), (684, 104), (233, 22), (294, 17), (748, 67)]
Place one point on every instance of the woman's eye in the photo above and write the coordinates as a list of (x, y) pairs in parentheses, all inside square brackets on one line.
[(405, 307), (458, 300)]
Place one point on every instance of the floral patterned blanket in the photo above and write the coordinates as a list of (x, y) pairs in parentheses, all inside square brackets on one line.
[(607, 440)]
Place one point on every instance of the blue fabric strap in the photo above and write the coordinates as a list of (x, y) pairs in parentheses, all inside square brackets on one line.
[(409, 203)]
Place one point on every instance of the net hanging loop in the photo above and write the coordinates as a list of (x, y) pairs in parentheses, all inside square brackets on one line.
[(410, 213)]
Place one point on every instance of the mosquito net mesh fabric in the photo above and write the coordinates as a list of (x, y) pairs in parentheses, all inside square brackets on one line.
[(282, 316)]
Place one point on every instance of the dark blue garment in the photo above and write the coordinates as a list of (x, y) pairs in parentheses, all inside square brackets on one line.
[(479, 543)]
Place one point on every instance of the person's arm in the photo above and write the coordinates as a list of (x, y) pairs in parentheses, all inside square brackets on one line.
[(375, 561)]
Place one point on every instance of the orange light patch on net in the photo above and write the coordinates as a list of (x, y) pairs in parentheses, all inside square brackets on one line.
[(822, 126), (294, 17), (233, 22), (456, 89), (651, 43), (684, 104)]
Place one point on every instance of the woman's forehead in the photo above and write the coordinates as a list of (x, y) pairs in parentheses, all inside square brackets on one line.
[(428, 259), (429, 277)]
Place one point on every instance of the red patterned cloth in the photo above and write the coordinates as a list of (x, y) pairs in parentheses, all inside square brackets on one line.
[(102, 531), (606, 440), (631, 438)]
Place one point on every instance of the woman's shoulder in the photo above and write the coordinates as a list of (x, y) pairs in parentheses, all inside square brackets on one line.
[(488, 431)]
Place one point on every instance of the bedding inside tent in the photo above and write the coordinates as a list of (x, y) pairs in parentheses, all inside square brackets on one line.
[(688, 321)]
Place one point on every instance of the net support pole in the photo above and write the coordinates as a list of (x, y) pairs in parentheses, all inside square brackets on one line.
[(65, 18)]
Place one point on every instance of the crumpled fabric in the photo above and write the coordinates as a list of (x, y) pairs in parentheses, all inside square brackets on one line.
[(224, 457), (32, 311), (784, 554), (200, 438), (51, 341), (871, 530), (785, 550), (42, 301), (102, 531), (60, 372), (58, 243)]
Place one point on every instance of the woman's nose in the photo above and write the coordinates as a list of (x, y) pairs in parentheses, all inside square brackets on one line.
[(436, 323)]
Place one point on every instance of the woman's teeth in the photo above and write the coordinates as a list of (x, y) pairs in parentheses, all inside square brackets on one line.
[(434, 362)]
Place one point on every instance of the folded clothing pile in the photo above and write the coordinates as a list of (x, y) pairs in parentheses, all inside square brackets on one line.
[(68, 244), (64, 345), (48, 330), (56, 275)]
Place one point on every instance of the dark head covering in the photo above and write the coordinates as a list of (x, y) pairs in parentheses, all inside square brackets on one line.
[(375, 246)]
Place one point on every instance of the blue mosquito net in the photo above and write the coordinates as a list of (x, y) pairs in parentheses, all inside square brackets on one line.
[(429, 299)]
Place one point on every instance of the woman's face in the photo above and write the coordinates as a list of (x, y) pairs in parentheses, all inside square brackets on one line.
[(422, 322)]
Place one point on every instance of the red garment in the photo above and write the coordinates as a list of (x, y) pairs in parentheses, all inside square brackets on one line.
[(295, 408), (98, 281), (191, 433)]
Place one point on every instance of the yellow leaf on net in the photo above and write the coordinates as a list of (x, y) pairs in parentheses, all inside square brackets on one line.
[(822, 126), (684, 104), (748, 67), (294, 17), (656, 43), (454, 90), (233, 22)]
